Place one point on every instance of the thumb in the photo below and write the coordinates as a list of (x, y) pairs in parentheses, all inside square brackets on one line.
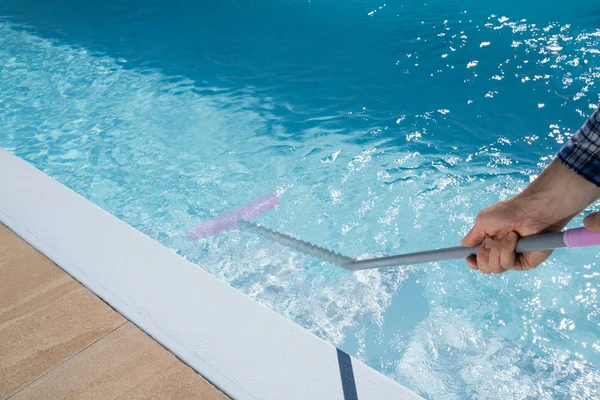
[(476, 236), (592, 221)]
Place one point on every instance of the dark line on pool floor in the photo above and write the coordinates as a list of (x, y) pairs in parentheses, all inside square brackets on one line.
[(347, 375)]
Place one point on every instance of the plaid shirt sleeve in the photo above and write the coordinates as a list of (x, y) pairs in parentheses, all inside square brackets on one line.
[(581, 154)]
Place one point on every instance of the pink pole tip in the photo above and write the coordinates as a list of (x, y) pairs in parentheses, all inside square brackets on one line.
[(581, 237), (229, 220)]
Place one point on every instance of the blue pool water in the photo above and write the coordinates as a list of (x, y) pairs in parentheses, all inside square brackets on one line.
[(386, 126)]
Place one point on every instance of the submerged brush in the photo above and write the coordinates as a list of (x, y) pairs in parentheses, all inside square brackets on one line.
[(241, 216)]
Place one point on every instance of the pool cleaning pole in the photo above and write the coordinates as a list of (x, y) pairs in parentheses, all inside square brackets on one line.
[(240, 217), (578, 237), (546, 241)]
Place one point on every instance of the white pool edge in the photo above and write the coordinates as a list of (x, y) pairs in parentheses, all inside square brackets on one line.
[(239, 345)]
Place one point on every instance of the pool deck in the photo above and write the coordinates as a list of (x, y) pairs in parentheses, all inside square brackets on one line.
[(58, 340)]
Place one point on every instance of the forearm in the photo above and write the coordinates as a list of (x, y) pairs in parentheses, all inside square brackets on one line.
[(571, 182), (559, 194)]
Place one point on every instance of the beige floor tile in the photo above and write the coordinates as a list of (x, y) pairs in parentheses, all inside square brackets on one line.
[(126, 364), (45, 315)]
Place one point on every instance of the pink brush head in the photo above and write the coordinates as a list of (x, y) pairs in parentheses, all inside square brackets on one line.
[(229, 220)]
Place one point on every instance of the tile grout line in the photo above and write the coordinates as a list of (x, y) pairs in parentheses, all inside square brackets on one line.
[(67, 359)]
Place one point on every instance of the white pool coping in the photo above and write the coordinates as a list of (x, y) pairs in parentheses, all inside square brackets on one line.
[(239, 345)]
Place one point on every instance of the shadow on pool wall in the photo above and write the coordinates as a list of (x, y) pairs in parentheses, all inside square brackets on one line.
[(379, 70)]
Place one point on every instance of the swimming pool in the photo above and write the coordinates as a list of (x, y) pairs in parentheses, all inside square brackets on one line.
[(385, 127)]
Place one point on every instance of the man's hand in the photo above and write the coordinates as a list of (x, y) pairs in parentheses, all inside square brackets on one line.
[(498, 228), (547, 205)]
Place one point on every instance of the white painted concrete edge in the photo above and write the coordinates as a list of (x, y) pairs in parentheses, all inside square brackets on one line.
[(241, 346)]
